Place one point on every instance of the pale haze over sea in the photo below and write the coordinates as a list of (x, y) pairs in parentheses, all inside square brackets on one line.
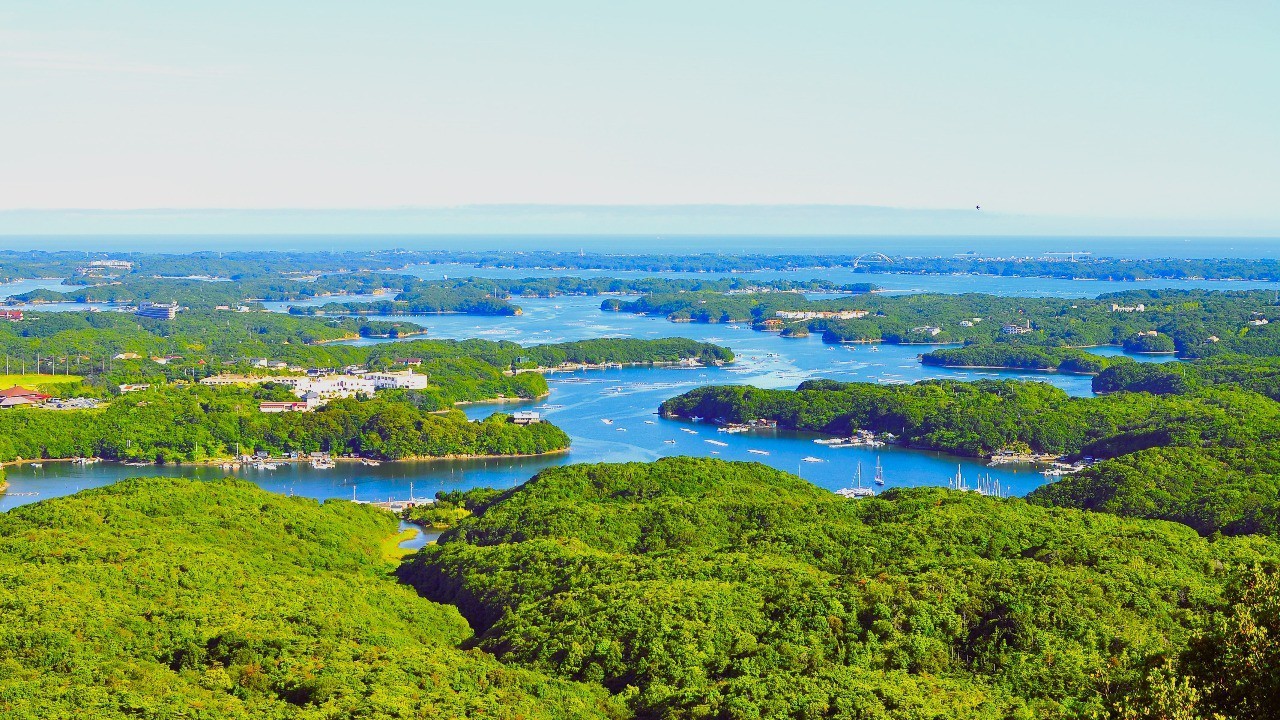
[(777, 229)]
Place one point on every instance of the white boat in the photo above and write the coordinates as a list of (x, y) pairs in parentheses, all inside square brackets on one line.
[(759, 452), (691, 432), (989, 487), (958, 482), (857, 491), (620, 429), (717, 442), (37, 465), (323, 464), (669, 442), (813, 459), (649, 422), (606, 421), (879, 478), (369, 462)]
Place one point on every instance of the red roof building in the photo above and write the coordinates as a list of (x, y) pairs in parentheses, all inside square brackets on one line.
[(11, 315), (20, 396)]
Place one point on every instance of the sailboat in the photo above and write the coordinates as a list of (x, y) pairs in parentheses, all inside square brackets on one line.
[(857, 491), (958, 482), (989, 487), (879, 480)]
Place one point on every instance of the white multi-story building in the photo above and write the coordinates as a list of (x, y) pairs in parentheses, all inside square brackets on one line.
[(821, 314), (325, 386), (336, 386), (399, 380)]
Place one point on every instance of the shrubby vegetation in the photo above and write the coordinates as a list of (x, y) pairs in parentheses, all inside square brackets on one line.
[(694, 588), (166, 598)]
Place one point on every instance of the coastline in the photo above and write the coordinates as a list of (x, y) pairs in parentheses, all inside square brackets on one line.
[(574, 367), (357, 336), (500, 400), (1004, 367), (216, 462)]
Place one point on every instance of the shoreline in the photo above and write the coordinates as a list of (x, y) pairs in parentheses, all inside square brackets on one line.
[(574, 367), (277, 460), (357, 336), (499, 400), (1010, 369)]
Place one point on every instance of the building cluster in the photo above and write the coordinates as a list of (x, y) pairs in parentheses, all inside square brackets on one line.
[(930, 330), (1015, 329), (315, 389), (11, 315), (1128, 308), (822, 314), (100, 268), (17, 396)]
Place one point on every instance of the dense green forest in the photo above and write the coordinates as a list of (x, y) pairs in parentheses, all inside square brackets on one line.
[(195, 424), (695, 588), (164, 598), (1259, 374), (1020, 357)]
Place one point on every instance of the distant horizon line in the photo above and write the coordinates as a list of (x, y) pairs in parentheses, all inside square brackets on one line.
[(613, 234)]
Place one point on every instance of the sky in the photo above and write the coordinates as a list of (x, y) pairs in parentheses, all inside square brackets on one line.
[(1162, 112)]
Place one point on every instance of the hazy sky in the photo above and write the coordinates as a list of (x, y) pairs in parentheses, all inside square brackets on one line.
[(1166, 110)]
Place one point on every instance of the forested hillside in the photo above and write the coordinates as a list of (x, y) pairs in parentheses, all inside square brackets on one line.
[(165, 598), (697, 588)]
